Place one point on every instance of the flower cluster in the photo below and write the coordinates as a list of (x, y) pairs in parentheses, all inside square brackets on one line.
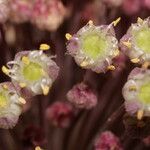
[(47, 15), (32, 73)]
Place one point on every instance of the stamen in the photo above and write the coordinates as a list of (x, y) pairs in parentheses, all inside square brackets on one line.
[(25, 60), (68, 36), (5, 87), (135, 60), (90, 22), (38, 148), (22, 85), (116, 21), (140, 20), (44, 47), (140, 114), (22, 100), (132, 88), (5, 70), (116, 53), (111, 67), (45, 89), (127, 44), (84, 64)]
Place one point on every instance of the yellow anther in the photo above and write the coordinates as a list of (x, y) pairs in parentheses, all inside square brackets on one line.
[(22, 100), (44, 47), (116, 21), (127, 44), (140, 20), (90, 22), (146, 65), (68, 36), (132, 88), (111, 67), (116, 53), (25, 60), (135, 60), (45, 90), (38, 148), (84, 64), (22, 85), (140, 114), (5, 87), (5, 70)]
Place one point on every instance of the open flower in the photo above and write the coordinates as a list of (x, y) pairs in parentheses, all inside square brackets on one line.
[(33, 71), (135, 43), (94, 47), (136, 93), (10, 105)]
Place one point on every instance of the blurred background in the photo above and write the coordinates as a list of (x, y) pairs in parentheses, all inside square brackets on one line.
[(24, 25)]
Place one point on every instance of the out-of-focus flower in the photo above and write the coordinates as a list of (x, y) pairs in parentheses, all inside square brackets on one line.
[(147, 141), (33, 71), (20, 10), (10, 105), (82, 96), (4, 11), (146, 3), (48, 14), (94, 47), (131, 7), (60, 114), (107, 141), (113, 3), (136, 93), (135, 43)]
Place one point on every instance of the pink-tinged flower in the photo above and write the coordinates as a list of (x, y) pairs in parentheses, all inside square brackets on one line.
[(48, 14), (135, 43), (113, 3), (4, 11), (60, 114), (20, 10), (94, 47), (147, 141), (107, 141), (10, 105), (33, 71), (136, 93), (131, 7), (82, 96)]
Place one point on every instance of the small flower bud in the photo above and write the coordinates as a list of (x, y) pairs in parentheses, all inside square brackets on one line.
[(60, 114), (82, 96), (94, 47), (33, 71), (136, 93), (10, 105), (107, 141)]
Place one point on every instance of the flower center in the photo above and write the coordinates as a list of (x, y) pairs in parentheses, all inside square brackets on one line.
[(142, 38), (94, 45), (144, 93), (32, 71), (3, 100)]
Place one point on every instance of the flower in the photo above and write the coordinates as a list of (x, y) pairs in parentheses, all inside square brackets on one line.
[(48, 15), (107, 141), (10, 105), (135, 43), (60, 114), (82, 96), (33, 71), (94, 47), (136, 93)]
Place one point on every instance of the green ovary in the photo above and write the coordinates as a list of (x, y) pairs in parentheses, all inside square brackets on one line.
[(94, 45), (142, 38), (144, 93), (3, 100), (32, 71)]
